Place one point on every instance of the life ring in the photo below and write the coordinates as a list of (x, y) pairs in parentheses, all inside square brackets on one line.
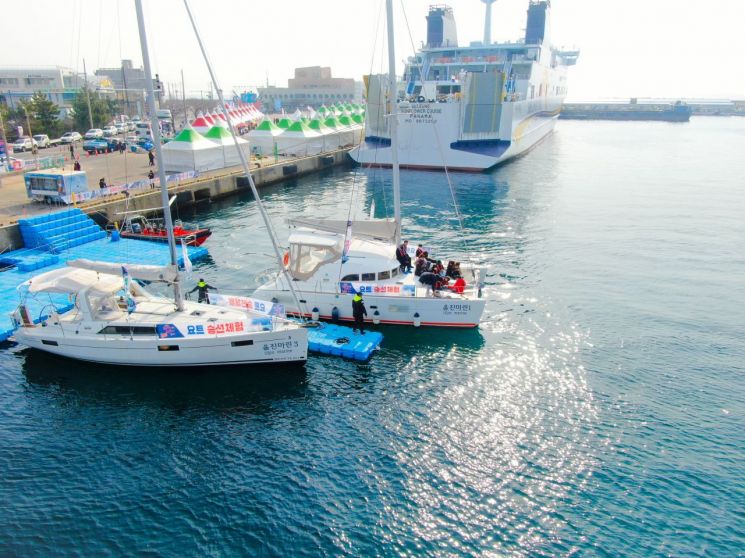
[(286, 259), (420, 99)]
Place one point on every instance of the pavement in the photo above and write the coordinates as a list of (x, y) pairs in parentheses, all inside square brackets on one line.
[(115, 168)]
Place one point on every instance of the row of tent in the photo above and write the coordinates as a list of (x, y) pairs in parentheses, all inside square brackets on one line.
[(305, 136), (192, 151), (239, 116)]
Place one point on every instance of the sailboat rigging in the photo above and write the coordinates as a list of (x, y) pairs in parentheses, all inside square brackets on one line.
[(114, 320), (327, 269)]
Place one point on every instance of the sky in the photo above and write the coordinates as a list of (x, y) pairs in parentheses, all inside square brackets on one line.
[(629, 48)]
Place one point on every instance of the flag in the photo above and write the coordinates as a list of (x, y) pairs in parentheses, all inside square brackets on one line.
[(185, 257), (131, 305), (347, 242)]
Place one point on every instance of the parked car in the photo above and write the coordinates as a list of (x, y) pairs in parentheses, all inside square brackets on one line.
[(121, 127), (71, 137), (22, 144), (42, 140), (96, 145), (109, 131), (131, 126), (94, 133)]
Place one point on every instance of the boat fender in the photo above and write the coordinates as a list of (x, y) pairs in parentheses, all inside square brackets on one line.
[(286, 259), (315, 314), (376, 317), (334, 314), (417, 319), (115, 236), (274, 300)]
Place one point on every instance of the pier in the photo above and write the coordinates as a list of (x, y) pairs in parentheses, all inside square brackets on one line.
[(14, 204)]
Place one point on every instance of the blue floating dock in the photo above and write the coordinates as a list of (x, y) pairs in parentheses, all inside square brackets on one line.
[(339, 340), (51, 240)]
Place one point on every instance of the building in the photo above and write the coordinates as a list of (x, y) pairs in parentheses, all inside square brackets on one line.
[(60, 85), (311, 86), (129, 84)]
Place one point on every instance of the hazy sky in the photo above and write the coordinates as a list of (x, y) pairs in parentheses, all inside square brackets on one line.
[(644, 48)]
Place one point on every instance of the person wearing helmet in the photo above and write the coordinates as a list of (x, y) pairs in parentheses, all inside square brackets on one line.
[(358, 311), (203, 288)]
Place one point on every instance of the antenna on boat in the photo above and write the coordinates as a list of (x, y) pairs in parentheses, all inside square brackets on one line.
[(159, 153), (393, 121), (487, 21), (244, 161)]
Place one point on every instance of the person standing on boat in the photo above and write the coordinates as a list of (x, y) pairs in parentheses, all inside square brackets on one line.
[(402, 255), (359, 312), (203, 288)]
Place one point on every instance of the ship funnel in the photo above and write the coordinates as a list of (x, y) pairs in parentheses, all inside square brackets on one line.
[(441, 27), (487, 21)]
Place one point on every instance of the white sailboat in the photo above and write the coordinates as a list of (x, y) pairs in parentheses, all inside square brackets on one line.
[(329, 261), (114, 320)]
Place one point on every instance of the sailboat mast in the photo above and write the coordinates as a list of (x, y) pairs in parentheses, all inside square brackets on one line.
[(393, 120), (158, 151), (244, 161)]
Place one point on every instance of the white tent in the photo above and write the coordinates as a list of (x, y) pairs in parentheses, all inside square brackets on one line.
[(221, 137), (329, 135), (189, 151), (298, 139), (200, 124), (264, 137)]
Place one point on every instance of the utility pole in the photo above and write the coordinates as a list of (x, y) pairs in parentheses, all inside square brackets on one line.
[(183, 97), (5, 141), (87, 94), (126, 94)]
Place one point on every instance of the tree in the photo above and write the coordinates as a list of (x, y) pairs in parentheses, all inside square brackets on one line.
[(44, 114), (103, 110)]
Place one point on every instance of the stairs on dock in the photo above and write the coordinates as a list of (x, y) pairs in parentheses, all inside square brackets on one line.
[(57, 232)]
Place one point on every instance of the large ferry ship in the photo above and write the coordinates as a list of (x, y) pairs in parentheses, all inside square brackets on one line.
[(469, 107)]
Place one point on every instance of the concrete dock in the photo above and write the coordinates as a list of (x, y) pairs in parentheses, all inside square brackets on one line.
[(119, 168)]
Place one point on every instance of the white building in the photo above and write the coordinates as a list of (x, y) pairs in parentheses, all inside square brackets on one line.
[(58, 83)]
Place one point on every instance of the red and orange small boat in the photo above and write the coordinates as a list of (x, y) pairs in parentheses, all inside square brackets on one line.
[(141, 228)]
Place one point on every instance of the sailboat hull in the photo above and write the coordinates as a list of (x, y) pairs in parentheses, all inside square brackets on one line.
[(391, 310), (283, 347)]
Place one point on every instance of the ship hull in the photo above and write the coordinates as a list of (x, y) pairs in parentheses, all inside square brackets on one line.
[(430, 138)]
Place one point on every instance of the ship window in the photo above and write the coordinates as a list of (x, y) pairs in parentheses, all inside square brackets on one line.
[(351, 277), (243, 343), (384, 275), (368, 277), (394, 272), (127, 330), (168, 347)]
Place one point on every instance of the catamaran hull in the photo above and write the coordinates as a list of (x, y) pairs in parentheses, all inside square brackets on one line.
[(285, 347), (391, 310)]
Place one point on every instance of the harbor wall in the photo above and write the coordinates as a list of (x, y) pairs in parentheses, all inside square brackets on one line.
[(201, 189)]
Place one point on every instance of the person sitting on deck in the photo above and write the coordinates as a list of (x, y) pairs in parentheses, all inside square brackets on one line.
[(402, 255), (453, 270), (419, 251), (430, 280)]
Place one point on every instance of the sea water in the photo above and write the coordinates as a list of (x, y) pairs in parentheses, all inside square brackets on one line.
[(598, 411)]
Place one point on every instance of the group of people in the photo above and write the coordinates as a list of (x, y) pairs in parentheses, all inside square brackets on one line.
[(431, 273)]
